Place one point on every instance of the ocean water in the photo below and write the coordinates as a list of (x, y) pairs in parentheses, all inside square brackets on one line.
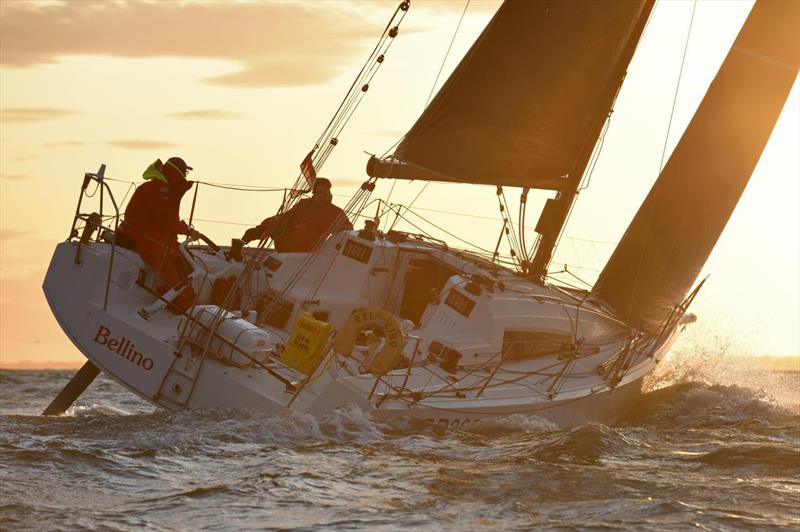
[(704, 448)]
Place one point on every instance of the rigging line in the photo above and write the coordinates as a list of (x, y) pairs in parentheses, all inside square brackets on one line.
[(336, 128), (523, 251), (663, 153), (128, 191), (608, 118), (345, 119), (448, 232), (206, 220), (446, 54), (513, 237), (353, 99), (366, 63), (357, 97), (439, 73), (523, 212), (513, 254), (493, 219), (408, 208), (596, 155), (120, 180), (572, 274), (241, 188), (388, 197), (230, 186), (587, 175), (563, 283), (399, 213), (508, 215), (677, 88)]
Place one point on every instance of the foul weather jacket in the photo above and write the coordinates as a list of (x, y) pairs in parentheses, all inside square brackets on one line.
[(153, 222), (302, 227)]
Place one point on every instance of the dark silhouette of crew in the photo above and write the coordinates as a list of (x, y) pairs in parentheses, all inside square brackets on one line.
[(152, 224), (303, 227)]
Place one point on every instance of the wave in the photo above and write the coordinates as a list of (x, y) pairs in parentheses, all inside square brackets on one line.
[(510, 424), (702, 357), (94, 410), (696, 404), (752, 455), (162, 433), (583, 445)]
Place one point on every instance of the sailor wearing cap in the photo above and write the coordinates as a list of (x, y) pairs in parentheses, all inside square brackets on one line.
[(152, 224), (303, 227)]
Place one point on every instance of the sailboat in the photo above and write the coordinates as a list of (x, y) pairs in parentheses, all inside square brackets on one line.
[(404, 325)]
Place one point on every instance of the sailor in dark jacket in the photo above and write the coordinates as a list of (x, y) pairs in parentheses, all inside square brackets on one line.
[(152, 225), (304, 226)]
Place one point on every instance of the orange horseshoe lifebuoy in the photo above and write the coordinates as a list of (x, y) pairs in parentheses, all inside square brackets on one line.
[(359, 320)]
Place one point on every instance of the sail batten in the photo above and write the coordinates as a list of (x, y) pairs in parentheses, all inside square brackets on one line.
[(526, 100)]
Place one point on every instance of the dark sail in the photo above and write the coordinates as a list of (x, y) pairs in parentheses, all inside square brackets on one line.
[(677, 226), (527, 99)]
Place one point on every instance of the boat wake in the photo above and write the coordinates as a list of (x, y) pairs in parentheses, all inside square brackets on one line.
[(94, 410)]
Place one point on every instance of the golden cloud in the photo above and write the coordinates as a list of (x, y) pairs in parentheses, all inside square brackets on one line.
[(208, 114), (15, 177), (23, 158), (32, 114), (64, 143), (139, 144), (10, 234), (276, 44)]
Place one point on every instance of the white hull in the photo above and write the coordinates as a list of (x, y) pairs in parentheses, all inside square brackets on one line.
[(142, 355)]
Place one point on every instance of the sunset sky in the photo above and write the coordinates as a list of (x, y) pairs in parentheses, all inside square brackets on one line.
[(241, 90)]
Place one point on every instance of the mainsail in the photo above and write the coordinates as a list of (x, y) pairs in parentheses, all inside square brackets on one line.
[(529, 98), (677, 226)]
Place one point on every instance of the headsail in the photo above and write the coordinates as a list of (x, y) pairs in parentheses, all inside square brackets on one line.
[(528, 98), (677, 226)]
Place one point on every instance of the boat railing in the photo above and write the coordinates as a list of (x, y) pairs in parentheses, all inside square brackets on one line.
[(203, 350), (94, 223)]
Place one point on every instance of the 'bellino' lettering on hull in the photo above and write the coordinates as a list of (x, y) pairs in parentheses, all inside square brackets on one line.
[(123, 347)]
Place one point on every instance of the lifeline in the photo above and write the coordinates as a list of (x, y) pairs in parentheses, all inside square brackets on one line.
[(123, 347)]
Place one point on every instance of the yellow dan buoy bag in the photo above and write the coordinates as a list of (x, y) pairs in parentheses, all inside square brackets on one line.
[(388, 357), (307, 344)]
